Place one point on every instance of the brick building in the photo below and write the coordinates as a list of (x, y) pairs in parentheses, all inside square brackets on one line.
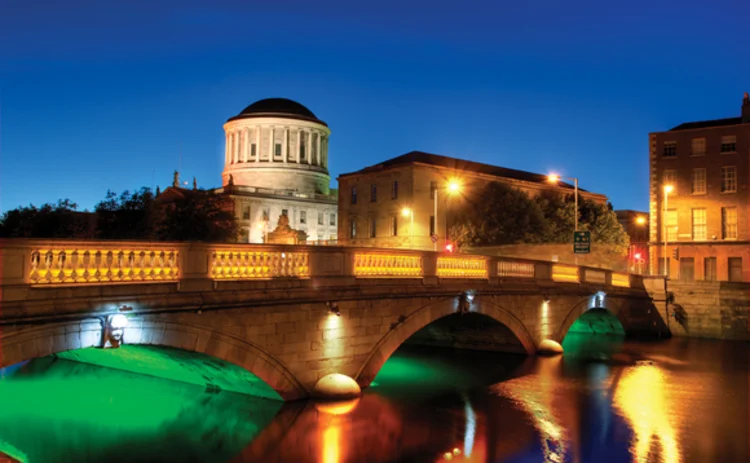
[(635, 224), (706, 165), (392, 204)]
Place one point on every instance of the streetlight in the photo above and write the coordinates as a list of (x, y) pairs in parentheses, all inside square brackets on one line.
[(409, 212), (667, 189), (453, 187), (554, 178)]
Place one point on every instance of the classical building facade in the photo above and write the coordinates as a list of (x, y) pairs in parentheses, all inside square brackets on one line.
[(276, 163), (394, 203), (699, 199)]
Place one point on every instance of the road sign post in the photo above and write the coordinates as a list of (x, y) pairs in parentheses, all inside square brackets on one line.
[(581, 242)]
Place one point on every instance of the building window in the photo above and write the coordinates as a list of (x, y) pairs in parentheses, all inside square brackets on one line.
[(277, 150), (302, 216), (245, 212), (687, 269), (670, 149), (354, 195), (671, 223), (670, 178), (432, 225), (699, 146), (333, 220), (266, 214), (433, 189), (729, 179), (373, 193), (394, 190), (285, 212), (253, 150), (728, 144), (699, 182), (394, 226), (302, 146), (353, 227), (735, 268), (699, 224), (729, 223), (321, 219), (709, 269), (373, 227)]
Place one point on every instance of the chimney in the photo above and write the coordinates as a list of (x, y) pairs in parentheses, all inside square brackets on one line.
[(746, 109)]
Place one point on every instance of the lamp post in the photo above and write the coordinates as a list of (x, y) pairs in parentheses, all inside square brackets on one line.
[(554, 178), (409, 212), (667, 189), (453, 187)]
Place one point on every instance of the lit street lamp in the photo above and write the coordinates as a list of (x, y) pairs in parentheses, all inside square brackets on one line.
[(667, 189), (409, 212), (554, 178), (453, 187)]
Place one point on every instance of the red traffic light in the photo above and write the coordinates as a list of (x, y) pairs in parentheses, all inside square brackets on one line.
[(449, 247), (637, 256)]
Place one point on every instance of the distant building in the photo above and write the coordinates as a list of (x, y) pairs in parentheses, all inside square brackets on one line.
[(635, 224), (276, 163), (379, 204), (707, 165)]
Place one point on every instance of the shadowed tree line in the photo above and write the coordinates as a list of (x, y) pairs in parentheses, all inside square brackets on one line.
[(505, 215), (191, 215)]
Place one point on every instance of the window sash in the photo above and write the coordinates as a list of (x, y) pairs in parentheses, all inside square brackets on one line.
[(671, 223), (698, 146), (728, 179), (699, 181), (729, 222), (699, 224)]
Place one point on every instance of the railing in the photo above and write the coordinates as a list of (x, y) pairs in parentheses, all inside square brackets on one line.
[(621, 279), (51, 263), (100, 264), (515, 269), (462, 267), (254, 265), (565, 273), (368, 265)]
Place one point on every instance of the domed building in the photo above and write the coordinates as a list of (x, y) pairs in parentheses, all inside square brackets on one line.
[(276, 163)]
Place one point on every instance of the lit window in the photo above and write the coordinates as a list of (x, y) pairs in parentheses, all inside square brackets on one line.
[(333, 220), (729, 223), (353, 227), (302, 217), (394, 226), (728, 179), (373, 193), (394, 190), (320, 218), (670, 149), (699, 224), (729, 144), (373, 226), (670, 178), (354, 195), (671, 223), (699, 146), (699, 182)]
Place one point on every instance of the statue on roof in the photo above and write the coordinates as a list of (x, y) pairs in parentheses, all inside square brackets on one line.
[(176, 180), (195, 183)]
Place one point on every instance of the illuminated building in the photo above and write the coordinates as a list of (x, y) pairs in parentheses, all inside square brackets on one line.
[(392, 203), (635, 224), (703, 169)]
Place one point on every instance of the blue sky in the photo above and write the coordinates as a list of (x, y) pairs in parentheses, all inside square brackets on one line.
[(117, 95)]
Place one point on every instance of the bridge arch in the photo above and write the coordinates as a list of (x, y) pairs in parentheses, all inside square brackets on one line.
[(424, 316), (27, 344), (597, 300)]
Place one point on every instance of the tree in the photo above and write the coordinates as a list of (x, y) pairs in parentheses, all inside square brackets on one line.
[(505, 215), (61, 220), (602, 222), (129, 216), (197, 216)]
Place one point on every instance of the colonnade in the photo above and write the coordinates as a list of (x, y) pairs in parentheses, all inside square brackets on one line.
[(243, 145)]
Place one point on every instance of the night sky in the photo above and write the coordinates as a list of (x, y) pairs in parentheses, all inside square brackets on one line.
[(97, 96)]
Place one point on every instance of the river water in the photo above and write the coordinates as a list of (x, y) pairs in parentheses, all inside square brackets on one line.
[(605, 400)]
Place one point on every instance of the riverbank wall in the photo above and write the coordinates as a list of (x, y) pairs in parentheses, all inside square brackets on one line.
[(709, 309)]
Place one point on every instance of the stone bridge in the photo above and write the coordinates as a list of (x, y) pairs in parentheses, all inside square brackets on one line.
[(294, 314)]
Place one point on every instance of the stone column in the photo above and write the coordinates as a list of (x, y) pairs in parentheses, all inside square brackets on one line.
[(309, 147), (285, 145), (325, 152), (272, 144), (257, 143), (320, 151), (246, 145), (299, 146), (235, 147), (227, 160)]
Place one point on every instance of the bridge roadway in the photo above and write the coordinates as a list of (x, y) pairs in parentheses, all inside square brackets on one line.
[(290, 314)]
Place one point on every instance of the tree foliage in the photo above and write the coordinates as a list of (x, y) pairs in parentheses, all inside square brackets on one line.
[(505, 215), (128, 216), (197, 217), (60, 220)]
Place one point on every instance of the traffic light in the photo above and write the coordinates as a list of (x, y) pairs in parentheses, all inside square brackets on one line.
[(449, 247), (676, 253), (637, 256)]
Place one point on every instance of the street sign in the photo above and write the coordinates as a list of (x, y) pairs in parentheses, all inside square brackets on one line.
[(582, 242)]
